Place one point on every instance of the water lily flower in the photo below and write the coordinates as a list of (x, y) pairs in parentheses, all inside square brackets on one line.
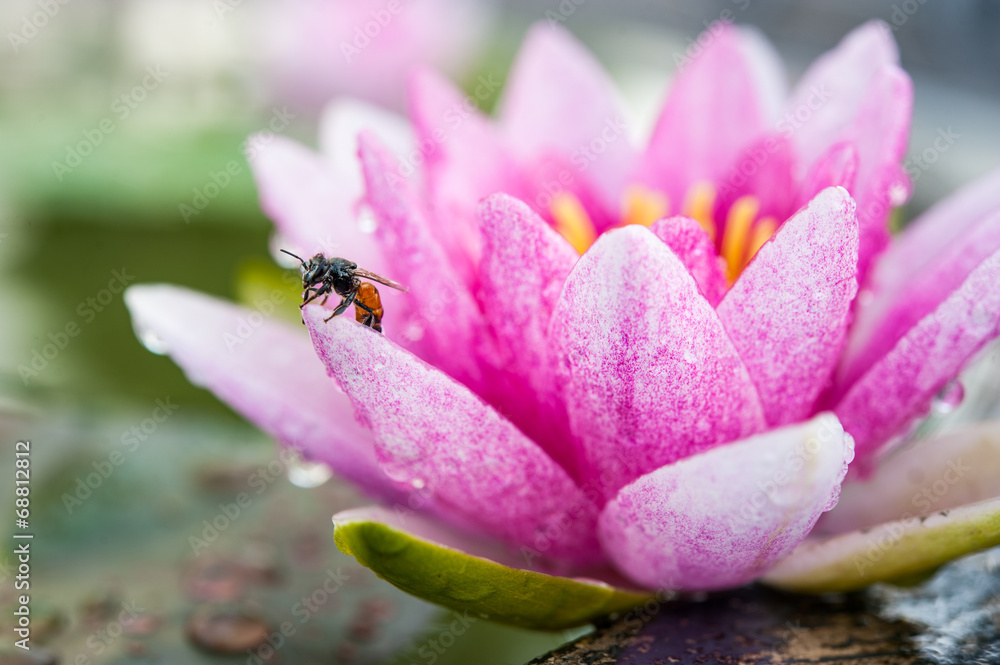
[(622, 371)]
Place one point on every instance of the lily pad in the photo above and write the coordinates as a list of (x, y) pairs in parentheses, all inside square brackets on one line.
[(452, 577), (889, 552)]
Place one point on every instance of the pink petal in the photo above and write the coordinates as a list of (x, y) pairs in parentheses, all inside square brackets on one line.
[(525, 263), (442, 321), (719, 103), (307, 200), (899, 387), (937, 473), (559, 101), (650, 375), (787, 314), (343, 120), (688, 240), (857, 93), (264, 369), (722, 518), (436, 435), (837, 167), (881, 132), (925, 264), (765, 171), (836, 86), (465, 160)]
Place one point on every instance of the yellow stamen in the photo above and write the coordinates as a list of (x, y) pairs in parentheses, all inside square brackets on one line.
[(699, 206), (762, 232), (644, 206), (573, 222), (734, 240)]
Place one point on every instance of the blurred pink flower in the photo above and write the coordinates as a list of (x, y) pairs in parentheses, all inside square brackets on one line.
[(670, 401), (317, 49)]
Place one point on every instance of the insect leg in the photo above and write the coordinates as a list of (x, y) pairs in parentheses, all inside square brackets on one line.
[(317, 292), (344, 304)]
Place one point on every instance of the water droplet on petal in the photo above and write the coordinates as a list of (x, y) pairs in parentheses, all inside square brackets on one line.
[(366, 220), (949, 399), (418, 483), (898, 194), (153, 342), (303, 473)]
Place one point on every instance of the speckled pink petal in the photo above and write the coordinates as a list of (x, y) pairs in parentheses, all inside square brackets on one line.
[(899, 387), (925, 264), (724, 517), (264, 369), (559, 100), (688, 240), (940, 472), (525, 263), (310, 204), (465, 160), (857, 93), (456, 450), (442, 322), (787, 314), (650, 375), (837, 167), (720, 102)]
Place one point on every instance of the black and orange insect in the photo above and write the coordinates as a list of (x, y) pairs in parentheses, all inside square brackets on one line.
[(322, 276)]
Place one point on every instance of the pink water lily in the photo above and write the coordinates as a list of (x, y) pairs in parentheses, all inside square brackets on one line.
[(654, 361)]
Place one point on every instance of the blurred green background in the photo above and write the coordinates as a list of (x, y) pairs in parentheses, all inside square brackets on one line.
[(216, 72)]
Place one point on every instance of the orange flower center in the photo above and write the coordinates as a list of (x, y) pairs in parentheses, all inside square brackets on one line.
[(743, 236)]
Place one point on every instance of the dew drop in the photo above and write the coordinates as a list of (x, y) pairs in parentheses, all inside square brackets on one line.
[(366, 220), (302, 473), (153, 342), (949, 399), (898, 194), (418, 483)]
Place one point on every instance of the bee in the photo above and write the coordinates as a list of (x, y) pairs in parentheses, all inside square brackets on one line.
[(322, 276)]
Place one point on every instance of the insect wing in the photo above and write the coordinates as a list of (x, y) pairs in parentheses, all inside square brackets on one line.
[(360, 272)]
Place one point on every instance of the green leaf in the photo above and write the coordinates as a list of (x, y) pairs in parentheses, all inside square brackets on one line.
[(464, 582), (890, 552)]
